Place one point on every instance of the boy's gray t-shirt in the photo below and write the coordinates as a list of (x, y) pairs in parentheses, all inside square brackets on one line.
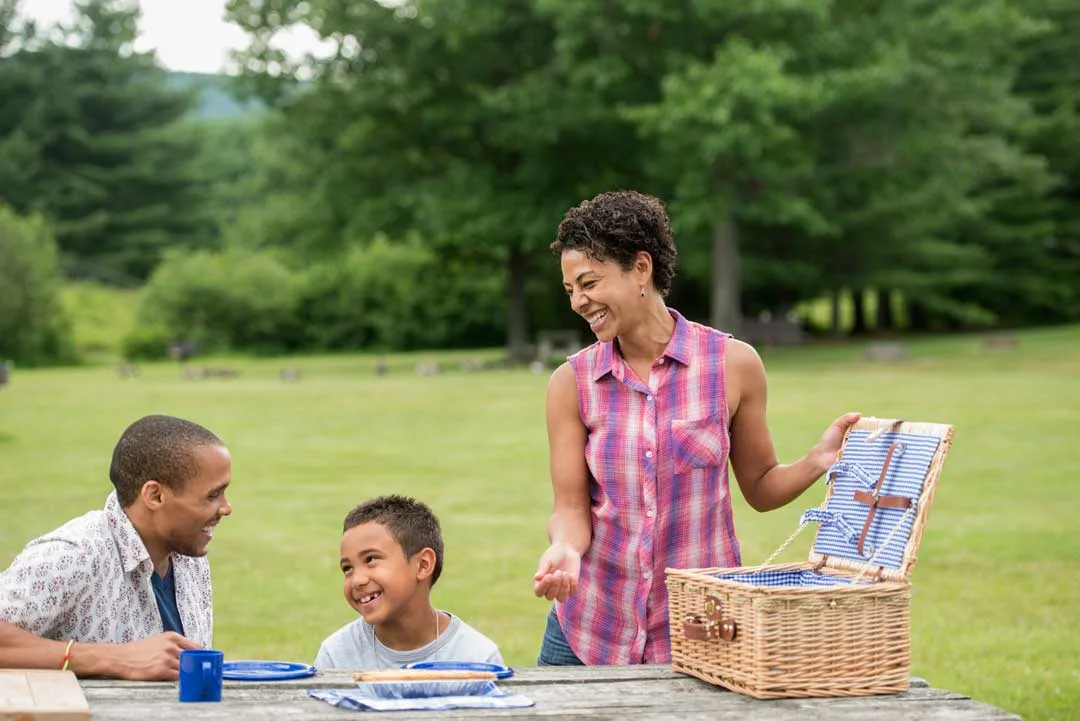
[(355, 647)]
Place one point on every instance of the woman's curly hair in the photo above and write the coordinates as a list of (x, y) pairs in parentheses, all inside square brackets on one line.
[(617, 226)]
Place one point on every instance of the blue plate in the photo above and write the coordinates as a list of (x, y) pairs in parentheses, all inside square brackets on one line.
[(499, 671), (265, 670)]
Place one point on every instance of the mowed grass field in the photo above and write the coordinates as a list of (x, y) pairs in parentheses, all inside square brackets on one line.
[(996, 604)]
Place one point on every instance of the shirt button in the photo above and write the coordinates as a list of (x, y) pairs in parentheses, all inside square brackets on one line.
[(651, 512), (661, 361), (648, 454), (647, 575), (648, 398)]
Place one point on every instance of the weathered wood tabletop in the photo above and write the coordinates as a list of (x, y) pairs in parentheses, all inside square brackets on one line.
[(626, 693)]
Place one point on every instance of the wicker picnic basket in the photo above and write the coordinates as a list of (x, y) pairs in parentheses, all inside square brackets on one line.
[(836, 625)]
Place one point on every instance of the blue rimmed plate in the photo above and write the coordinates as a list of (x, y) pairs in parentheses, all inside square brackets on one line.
[(265, 670), (499, 671)]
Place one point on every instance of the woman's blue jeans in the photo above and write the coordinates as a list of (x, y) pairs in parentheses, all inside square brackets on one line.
[(554, 650)]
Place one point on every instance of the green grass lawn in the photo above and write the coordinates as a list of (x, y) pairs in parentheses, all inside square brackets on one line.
[(996, 592)]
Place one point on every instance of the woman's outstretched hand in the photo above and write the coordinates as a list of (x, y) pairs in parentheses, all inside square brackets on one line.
[(556, 577)]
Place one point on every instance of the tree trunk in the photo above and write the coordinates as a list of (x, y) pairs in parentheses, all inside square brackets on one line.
[(517, 326), (858, 312), (918, 318), (726, 311), (885, 321), (835, 323)]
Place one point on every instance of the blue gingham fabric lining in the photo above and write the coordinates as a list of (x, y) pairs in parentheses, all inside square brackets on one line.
[(799, 578), (843, 518), (858, 471)]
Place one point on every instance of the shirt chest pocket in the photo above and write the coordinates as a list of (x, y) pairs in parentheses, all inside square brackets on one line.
[(701, 443)]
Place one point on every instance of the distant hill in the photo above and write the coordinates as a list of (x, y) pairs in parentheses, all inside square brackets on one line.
[(215, 93)]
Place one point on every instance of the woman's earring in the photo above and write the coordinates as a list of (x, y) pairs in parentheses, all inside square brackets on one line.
[(642, 291)]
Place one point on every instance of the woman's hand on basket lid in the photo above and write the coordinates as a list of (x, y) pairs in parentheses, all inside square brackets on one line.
[(823, 455), (556, 577)]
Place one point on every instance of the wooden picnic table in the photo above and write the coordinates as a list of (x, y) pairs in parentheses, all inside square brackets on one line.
[(618, 693)]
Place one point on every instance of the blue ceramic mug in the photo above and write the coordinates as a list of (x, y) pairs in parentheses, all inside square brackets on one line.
[(200, 675)]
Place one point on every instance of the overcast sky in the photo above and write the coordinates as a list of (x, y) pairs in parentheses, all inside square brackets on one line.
[(189, 35)]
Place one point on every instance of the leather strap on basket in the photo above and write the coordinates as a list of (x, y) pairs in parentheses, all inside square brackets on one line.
[(875, 500), (710, 625)]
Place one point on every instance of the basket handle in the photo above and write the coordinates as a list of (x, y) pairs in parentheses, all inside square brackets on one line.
[(712, 624)]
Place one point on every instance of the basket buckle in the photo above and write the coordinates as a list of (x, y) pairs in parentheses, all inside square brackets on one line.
[(711, 625)]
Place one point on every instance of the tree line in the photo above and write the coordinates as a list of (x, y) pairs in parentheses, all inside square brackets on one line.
[(916, 157)]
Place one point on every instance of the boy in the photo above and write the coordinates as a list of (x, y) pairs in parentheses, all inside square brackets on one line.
[(391, 556)]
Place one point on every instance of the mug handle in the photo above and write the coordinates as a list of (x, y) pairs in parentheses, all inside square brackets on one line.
[(206, 676)]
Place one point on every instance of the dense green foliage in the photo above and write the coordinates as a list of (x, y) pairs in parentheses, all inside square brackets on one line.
[(33, 326), (821, 146), (379, 296), (85, 137), (916, 151)]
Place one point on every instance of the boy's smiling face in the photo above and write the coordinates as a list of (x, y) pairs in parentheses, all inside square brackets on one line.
[(379, 581)]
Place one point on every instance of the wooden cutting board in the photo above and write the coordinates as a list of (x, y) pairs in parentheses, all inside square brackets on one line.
[(30, 695)]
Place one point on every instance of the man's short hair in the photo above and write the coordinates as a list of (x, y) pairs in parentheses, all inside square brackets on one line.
[(157, 448), (412, 524)]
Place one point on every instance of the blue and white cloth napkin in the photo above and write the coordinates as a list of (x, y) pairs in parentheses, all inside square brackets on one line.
[(413, 696)]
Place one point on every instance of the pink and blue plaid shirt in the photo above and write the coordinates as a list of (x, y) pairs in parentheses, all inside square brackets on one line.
[(657, 455)]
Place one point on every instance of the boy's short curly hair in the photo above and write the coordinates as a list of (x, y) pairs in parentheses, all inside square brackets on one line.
[(617, 226), (412, 524)]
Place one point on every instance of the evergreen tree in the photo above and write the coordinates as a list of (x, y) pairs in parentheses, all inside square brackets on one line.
[(88, 137), (1031, 237)]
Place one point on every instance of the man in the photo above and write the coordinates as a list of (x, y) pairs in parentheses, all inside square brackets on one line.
[(120, 592)]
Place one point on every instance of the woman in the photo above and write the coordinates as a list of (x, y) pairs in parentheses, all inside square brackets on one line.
[(641, 426)]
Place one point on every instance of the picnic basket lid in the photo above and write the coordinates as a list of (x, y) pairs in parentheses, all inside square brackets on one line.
[(873, 520)]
